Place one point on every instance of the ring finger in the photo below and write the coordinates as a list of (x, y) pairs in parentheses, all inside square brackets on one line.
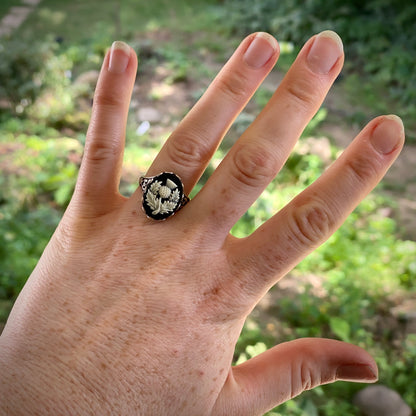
[(191, 146)]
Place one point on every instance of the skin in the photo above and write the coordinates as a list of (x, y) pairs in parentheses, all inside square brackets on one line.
[(129, 316)]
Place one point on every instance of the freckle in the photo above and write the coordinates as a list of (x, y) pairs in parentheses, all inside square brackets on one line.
[(130, 226), (200, 373), (221, 371), (165, 311), (215, 379), (103, 366), (215, 291), (193, 388), (206, 359), (133, 212)]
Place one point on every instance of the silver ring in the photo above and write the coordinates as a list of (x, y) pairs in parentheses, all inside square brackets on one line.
[(163, 195)]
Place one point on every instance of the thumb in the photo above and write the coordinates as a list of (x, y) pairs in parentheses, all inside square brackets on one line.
[(287, 370)]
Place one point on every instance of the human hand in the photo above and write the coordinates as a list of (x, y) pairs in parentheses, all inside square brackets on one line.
[(130, 316)]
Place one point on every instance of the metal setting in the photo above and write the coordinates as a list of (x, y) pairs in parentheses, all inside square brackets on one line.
[(163, 195)]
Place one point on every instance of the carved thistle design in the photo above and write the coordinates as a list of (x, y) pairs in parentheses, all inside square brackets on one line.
[(162, 195)]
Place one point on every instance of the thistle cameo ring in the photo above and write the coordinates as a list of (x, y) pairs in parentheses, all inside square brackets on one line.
[(163, 195)]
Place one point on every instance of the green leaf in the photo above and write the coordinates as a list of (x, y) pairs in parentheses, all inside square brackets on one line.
[(341, 328)]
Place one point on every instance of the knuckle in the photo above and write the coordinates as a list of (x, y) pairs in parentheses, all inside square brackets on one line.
[(254, 166), (188, 150), (108, 99), (304, 377), (98, 150), (311, 223), (233, 87), (361, 169), (301, 93)]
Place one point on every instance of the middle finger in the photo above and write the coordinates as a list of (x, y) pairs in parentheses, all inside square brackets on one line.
[(192, 144), (264, 147)]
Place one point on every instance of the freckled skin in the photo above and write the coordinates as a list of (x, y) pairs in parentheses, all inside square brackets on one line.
[(121, 321)]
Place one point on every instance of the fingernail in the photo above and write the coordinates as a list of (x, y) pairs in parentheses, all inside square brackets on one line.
[(261, 49), (357, 372), (119, 57), (325, 51), (388, 134)]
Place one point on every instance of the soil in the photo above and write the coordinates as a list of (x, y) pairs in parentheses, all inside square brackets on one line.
[(16, 16)]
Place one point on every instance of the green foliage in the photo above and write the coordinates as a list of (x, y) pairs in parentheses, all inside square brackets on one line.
[(35, 171), (23, 236), (36, 80), (22, 71), (378, 36)]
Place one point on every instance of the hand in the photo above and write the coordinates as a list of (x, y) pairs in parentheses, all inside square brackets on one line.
[(125, 315)]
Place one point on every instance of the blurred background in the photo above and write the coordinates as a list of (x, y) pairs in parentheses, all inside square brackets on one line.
[(359, 287)]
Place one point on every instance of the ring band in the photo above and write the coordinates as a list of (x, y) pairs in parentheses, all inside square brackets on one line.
[(163, 195)]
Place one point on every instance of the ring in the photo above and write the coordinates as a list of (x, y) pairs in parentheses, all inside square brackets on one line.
[(163, 195)]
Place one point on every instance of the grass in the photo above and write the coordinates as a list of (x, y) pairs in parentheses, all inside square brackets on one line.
[(79, 21), (181, 29)]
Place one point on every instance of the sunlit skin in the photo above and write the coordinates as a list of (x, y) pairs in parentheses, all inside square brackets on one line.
[(125, 315)]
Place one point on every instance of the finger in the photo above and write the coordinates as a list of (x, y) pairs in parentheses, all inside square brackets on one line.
[(287, 370), (308, 220), (99, 177), (191, 146), (262, 150)]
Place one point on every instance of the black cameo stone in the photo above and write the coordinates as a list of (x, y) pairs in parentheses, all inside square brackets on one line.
[(162, 195)]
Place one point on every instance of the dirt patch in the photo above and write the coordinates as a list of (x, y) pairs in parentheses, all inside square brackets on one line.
[(16, 16)]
